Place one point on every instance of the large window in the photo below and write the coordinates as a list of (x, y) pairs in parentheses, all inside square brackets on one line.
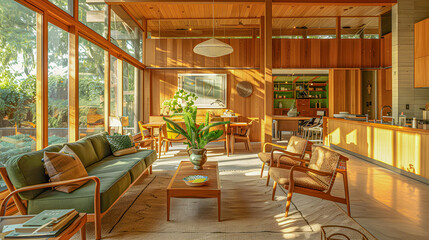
[(114, 87), (129, 95), (125, 33), (18, 41), (91, 88), (94, 15), (58, 84), (66, 5)]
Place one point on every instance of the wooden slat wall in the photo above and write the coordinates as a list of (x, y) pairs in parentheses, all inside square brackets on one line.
[(322, 53), (288, 53), (164, 85), (345, 91), (384, 88), (421, 54), (179, 53), (386, 50)]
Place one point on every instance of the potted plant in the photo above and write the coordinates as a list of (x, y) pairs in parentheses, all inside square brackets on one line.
[(182, 101), (197, 136)]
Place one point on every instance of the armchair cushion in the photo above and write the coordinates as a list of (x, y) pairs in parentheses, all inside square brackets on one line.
[(281, 176), (325, 160), (27, 169), (84, 150), (296, 145)]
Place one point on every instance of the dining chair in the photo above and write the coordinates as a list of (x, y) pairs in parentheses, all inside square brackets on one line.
[(225, 137), (297, 147), (242, 135), (169, 137), (315, 180), (311, 131)]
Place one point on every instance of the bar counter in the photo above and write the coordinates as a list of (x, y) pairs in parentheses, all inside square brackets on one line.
[(401, 149)]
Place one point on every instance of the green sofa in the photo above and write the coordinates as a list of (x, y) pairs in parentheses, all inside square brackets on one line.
[(116, 175)]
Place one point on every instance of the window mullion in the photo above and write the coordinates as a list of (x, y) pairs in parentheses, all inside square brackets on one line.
[(73, 85)]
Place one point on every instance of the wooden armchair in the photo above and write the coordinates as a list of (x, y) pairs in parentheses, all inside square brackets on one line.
[(315, 180), (296, 147)]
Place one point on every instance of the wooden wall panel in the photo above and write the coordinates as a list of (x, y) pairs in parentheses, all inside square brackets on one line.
[(384, 88), (179, 53), (165, 84), (345, 91), (287, 53), (386, 50), (370, 53), (322, 53), (421, 54)]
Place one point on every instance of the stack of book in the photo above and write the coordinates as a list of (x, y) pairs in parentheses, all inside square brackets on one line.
[(49, 223)]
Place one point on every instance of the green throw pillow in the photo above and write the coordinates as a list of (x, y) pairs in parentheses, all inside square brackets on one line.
[(119, 142)]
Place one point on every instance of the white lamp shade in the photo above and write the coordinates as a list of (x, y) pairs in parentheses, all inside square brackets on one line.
[(213, 48)]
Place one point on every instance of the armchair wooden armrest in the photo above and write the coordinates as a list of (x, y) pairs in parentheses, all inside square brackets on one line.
[(274, 145), (55, 184), (303, 161), (305, 169)]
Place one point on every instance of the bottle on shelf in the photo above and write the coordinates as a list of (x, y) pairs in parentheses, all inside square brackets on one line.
[(280, 105)]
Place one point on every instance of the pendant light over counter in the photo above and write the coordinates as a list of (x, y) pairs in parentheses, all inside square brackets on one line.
[(213, 47)]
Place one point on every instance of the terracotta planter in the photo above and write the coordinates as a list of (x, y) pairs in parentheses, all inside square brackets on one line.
[(198, 157)]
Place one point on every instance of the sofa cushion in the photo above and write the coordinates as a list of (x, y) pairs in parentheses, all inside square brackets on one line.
[(64, 165), (85, 151), (119, 142), (125, 151), (136, 163), (113, 184), (27, 169), (100, 144)]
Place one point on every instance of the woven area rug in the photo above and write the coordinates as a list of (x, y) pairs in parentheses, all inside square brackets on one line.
[(247, 212)]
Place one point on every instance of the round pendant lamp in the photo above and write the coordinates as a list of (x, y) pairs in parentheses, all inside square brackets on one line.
[(213, 47)]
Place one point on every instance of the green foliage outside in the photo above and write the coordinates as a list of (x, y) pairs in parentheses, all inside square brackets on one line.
[(18, 79)]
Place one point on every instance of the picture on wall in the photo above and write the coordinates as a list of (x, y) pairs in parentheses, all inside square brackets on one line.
[(210, 89)]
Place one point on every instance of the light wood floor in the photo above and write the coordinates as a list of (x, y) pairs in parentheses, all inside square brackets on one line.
[(388, 205)]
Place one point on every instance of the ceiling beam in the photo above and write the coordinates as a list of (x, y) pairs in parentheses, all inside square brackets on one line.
[(289, 2), (255, 18), (184, 1)]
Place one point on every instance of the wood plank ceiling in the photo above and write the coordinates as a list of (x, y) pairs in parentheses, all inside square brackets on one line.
[(178, 19)]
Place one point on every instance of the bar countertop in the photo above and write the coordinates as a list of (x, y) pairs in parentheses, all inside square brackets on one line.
[(380, 125), (403, 150)]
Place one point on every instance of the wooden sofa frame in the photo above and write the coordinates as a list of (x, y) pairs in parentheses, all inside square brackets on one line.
[(92, 217)]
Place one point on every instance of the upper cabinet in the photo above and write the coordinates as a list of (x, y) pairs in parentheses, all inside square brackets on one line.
[(421, 54)]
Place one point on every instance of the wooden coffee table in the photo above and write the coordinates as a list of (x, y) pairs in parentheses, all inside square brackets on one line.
[(177, 188)]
